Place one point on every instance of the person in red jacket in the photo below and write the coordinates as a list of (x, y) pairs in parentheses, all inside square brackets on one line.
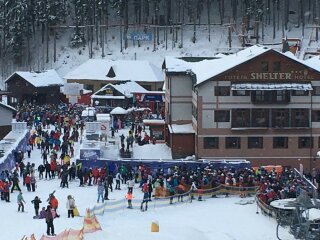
[(53, 168), (95, 173), (271, 196), (6, 191), (53, 201), (27, 181)]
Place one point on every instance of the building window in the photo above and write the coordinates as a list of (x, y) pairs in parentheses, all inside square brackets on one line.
[(315, 115), (240, 93), (264, 66), (260, 117), (280, 118), (255, 142), (281, 95), (316, 91), (276, 66), (300, 117), (211, 143), (267, 97), (305, 142), (222, 116), (233, 142), (280, 142), (222, 91), (240, 118), (299, 93)]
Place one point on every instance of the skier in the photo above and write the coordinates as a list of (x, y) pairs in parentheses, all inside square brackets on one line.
[(20, 202)]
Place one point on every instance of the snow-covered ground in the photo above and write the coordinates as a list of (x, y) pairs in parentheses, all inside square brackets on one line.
[(215, 218)]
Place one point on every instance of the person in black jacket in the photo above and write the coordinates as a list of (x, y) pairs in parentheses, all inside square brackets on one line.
[(41, 170), (110, 180), (48, 170), (15, 181), (36, 203), (49, 221), (80, 176)]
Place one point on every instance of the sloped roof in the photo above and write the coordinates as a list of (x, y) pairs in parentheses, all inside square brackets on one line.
[(119, 111), (8, 107), (124, 88), (207, 69), (313, 62), (40, 79), (124, 70)]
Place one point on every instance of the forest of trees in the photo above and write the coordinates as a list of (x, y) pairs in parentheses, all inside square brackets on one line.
[(28, 23)]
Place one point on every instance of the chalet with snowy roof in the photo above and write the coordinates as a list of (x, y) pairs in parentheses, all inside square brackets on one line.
[(258, 104), (6, 113), (116, 95), (96, 73), (34, 87)]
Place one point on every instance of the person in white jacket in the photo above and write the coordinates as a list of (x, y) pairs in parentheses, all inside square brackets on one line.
[(130, 184), (118, 181), (70, 206)]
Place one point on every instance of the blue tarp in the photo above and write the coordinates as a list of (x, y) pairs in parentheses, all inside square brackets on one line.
[(163, 164)]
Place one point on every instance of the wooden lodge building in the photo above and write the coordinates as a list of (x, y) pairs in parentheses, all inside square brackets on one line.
[(34, 87), (258, 104)]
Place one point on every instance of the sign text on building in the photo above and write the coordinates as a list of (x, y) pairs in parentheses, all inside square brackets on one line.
[(293, 75)]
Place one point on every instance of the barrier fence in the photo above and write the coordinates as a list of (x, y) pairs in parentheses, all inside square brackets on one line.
[(164, 201), (90, 225)]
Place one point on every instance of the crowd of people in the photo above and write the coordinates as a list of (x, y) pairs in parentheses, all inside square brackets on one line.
[(54, 132)]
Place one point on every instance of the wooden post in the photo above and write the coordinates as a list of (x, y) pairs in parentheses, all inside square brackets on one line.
[(229, 36), (54, 45)]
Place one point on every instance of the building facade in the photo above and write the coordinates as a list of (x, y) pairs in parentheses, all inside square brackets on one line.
[(259, 104), (34, 87), (6, 113), (96, 73)]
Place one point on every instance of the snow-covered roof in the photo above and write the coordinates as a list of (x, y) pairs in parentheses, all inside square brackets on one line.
[(181, 128), (272, 86), (154, 121), (313, 62), (125, 88), (8, 107), (40, 79), (124, 70), (103, 117), (207, 69), (118, 110)]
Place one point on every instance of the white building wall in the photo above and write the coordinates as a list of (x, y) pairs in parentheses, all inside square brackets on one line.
[(181, 111), (181, 86), (5, 117)]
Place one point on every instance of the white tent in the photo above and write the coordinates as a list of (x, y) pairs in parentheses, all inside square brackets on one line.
[(118, 111)]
